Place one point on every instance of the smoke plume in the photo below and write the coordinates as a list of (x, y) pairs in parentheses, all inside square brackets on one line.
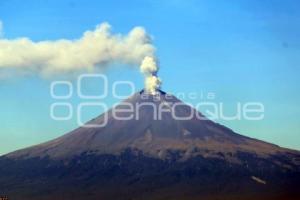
[(149, 68), (96, 49)]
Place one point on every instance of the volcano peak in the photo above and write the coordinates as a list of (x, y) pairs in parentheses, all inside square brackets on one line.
[(151, 131), (151, 156)]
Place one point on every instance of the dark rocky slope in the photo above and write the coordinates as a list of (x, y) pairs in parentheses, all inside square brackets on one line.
[(152, 159)]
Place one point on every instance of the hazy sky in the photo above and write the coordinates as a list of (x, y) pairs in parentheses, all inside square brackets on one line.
[(243, 50)]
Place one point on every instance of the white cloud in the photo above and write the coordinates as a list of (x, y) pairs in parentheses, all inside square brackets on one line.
[(96, 49)]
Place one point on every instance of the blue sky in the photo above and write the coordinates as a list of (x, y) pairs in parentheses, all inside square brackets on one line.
[(246, 50)]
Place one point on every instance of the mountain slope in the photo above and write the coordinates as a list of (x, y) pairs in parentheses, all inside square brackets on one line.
[(148, 158), (152, 136)]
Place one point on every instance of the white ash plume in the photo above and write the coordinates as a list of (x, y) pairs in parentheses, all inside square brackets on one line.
[(149, 68), (95, 50)]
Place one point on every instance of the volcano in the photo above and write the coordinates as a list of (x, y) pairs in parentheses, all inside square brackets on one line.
[(148, 148)]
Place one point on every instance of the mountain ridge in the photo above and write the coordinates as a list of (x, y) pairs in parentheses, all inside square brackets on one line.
[(147, 159), (151, 136)]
